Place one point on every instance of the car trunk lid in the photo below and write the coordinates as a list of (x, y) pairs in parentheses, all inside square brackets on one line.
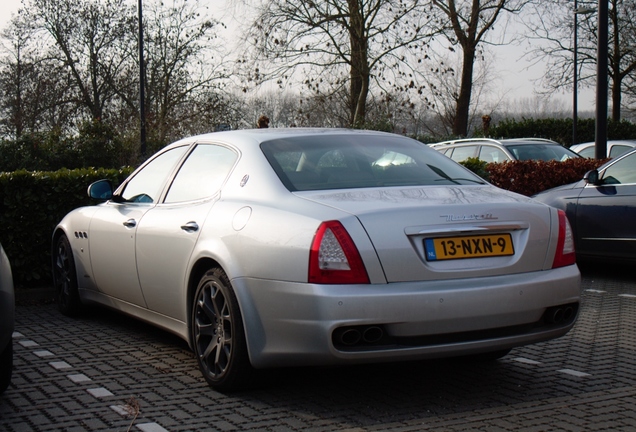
[(442, 232)]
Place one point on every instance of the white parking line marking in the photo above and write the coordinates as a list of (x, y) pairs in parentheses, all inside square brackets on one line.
[(627, 295), (526, 361), (43, 353), (595, 291), (151, 427), (17, 335), (60, 365), (28, 343), (78, 378), (574, 373), (99, 392), (120, 409)]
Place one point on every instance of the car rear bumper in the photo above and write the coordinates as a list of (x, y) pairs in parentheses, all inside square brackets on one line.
[(304, 324)]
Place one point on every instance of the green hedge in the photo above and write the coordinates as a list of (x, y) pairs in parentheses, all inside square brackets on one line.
[(31, 204), (560, 130)]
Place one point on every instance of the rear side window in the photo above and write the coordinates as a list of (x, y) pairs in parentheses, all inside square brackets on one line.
[(360, 161), (202, 174), (462, 153), (618, 150), (492, 154)]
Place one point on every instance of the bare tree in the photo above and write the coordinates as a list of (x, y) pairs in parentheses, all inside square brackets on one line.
[(88, 38), (467, 25), (553, 28), (340, 44), (185, 69)]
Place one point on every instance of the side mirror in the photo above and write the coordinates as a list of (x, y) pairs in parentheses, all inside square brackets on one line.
[(101, 190), (591, 177)]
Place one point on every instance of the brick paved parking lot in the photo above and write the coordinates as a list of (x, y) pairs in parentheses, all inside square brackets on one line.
[(108, 372)]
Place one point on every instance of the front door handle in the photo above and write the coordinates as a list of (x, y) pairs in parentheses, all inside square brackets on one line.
[(130, 223), (190, 227)]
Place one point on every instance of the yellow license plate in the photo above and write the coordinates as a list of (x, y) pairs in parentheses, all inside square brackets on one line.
[(477, 246)]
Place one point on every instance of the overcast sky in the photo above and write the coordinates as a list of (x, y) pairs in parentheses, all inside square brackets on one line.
[(516, 76)]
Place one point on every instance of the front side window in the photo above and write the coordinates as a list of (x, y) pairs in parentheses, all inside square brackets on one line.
[(202, 174), (360, 161), (621, 172), (146, 185)]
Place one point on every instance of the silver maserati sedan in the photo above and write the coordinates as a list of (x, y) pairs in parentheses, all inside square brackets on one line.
[(298, 247)]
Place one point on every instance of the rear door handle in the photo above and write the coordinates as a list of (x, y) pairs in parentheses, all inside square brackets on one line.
[(190, 227)]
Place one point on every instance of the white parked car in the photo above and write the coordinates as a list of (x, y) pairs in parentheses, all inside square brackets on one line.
[(512, 149), (272, 247), (614, 148)]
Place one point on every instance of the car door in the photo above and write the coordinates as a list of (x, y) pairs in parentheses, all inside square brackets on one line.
[(113, 229), (168, 232), (605, 213)]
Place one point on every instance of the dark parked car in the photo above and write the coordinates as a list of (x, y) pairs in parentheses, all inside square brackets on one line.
[(601, 208), (7, 312)]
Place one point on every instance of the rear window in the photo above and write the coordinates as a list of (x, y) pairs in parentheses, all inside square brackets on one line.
[(544, 152), (360, 161)]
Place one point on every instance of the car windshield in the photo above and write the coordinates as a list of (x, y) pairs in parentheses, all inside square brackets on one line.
[(360, 161), (544, 152)]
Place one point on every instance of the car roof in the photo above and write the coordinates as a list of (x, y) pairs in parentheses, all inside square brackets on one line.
[(630, 143), (502, 142)]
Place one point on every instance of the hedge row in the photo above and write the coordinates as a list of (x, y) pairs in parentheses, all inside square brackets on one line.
[(560, 130), (31, 204)]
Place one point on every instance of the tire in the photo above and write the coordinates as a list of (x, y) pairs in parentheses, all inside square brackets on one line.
[(217, 334), (6, 366), (65, 278)]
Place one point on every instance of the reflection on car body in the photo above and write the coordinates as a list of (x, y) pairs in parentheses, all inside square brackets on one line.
[(274, 247)]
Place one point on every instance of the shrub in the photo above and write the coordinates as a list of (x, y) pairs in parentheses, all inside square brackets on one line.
[(531, 177), (477, 166)]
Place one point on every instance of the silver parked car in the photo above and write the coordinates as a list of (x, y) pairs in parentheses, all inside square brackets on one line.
[(272, 247), (491, 150), (7, 317)]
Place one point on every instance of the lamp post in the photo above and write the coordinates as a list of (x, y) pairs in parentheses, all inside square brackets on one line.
[(142, 83), (601, 81), (577, 11)]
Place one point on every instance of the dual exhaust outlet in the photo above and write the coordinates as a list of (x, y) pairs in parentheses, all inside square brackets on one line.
[(358, 335), (560, 314)]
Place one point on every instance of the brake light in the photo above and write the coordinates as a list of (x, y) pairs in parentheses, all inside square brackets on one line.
[(565, 254), (334, 258)]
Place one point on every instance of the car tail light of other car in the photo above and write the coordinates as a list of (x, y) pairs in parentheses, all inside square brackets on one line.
[(565, 254), (334, 258)]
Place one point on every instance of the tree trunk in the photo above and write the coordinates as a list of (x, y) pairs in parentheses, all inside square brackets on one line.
[(359, 73), (460, 123)]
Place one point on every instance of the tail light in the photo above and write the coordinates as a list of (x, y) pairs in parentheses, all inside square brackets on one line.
[(565, 254), (334, 258)]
